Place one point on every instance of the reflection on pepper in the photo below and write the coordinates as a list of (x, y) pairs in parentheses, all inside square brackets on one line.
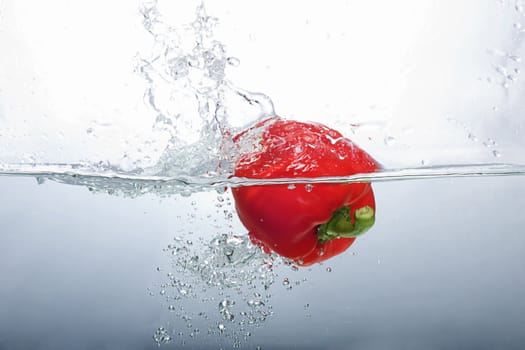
[(307, 223)]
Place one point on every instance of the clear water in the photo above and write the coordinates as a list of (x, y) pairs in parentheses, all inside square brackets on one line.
[(146, 249)]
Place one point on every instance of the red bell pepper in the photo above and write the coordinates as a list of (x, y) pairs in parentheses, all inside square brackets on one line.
[(307, 223)]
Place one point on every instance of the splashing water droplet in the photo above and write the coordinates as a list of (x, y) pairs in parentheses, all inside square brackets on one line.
[(515, 58), (389, 140), (233, 61)]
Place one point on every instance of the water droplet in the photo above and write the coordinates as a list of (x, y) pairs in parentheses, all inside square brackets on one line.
[(286, 281), (389, 140), (221, 327), (496, 153), (291, 187), (492, 142), (515, 58), (328, 269), (171, 308), (309, 187), (472, 137), (233, 61)]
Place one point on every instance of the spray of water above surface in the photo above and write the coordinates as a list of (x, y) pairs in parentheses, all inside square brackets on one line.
[(196, 110)]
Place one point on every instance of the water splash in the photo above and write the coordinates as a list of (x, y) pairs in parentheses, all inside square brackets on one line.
[(196, 106)]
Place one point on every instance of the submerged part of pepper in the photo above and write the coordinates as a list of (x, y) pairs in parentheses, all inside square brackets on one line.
[(341, 224)]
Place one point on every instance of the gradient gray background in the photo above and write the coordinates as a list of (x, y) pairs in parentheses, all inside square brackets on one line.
[(442, 268)]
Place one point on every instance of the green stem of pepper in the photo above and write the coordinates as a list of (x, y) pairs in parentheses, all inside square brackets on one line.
[(340, 225)]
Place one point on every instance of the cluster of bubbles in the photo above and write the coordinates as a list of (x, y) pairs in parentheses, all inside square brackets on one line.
[(226, 275), (217, 286)]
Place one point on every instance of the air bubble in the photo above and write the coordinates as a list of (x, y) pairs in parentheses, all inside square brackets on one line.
[(161, 336)]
